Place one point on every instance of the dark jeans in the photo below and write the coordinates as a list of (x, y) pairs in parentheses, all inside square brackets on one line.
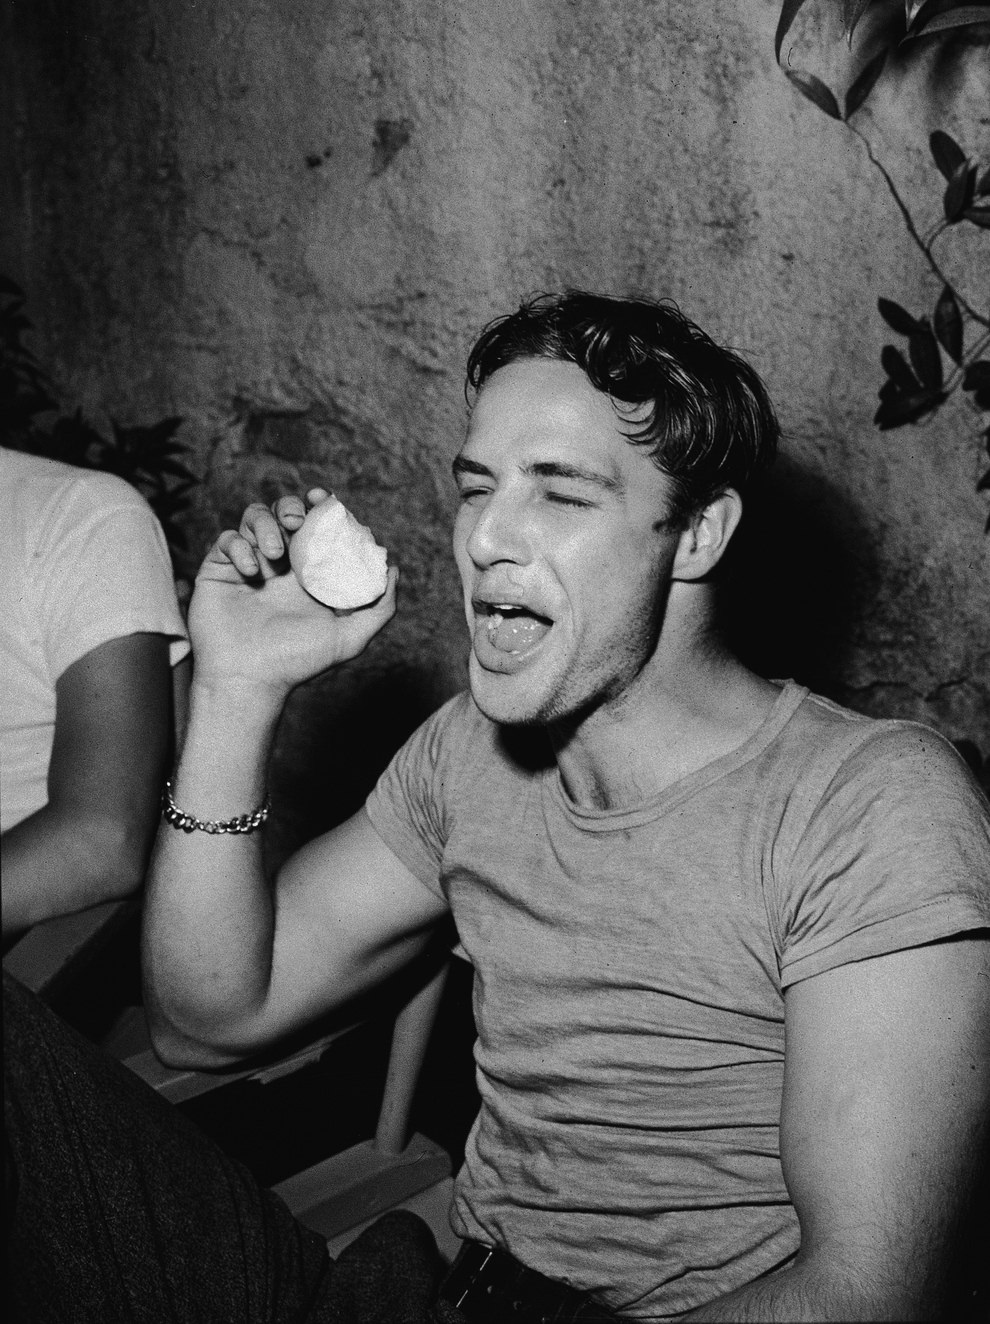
[(118, 1209)]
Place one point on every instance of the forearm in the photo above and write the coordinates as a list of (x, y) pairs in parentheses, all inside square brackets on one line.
[(59, 860), (220, 982), (811, 1292), (209, 916)]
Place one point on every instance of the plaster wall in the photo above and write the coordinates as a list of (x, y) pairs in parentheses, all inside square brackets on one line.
[(285, 220)]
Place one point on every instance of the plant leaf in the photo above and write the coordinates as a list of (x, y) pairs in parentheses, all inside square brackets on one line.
[(788, 13), (898, 318), (179, 492), (896, 367), (907, 409), (154, 432), (167, 465), (815, 90), (979, 216), (959, 192), (168, 504), (946, 153), (976, 374), (976, 378), (935, 17), (925, 357), (864, 83), (852, 12), (948, 324)]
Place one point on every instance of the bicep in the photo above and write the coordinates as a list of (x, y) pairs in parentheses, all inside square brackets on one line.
[(349, 913), (113, 731), (886, 1093), (90, 841)]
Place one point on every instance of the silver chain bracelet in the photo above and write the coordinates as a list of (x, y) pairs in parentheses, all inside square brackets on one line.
[(174, 816)]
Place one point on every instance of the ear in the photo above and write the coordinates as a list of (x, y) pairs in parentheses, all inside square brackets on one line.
[(703, 542)]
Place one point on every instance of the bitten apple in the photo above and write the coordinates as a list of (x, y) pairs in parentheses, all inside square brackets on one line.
[(336, 559)]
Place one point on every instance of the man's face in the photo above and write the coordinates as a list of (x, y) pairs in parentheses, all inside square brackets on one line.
[(561, 546)]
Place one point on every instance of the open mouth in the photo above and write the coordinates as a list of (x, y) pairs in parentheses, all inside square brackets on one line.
[(512, 629)]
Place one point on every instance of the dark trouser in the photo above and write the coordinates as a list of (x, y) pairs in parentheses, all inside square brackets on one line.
[(118, 1209)]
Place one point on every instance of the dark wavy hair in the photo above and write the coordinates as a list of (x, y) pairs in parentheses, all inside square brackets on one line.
[(709, 423)]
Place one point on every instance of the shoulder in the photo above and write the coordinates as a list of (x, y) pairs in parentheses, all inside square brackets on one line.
[(883, 842), (833, 750), (903, 761), (410, 805), (39, 482), (55, 505), (899, 787), (90, 494)]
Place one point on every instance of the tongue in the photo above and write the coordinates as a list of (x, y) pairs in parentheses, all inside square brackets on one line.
[(513, 634)]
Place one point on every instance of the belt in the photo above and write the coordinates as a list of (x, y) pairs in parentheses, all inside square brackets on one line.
[(489, 1286)]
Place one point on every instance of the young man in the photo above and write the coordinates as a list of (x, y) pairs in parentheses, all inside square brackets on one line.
[(703, 865), (731, 988)]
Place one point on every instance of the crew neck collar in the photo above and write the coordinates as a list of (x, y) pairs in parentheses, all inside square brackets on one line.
[(606, 820)]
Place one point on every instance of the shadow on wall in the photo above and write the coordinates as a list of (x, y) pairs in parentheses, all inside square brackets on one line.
[(799, 581)]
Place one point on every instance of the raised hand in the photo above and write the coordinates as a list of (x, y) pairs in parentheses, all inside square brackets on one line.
[(252, 622)]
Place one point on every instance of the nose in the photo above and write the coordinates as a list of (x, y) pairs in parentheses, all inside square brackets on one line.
[(498, 533)]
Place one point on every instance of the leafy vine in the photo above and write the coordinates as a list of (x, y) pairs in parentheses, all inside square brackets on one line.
[(148, 457), (948, 349)]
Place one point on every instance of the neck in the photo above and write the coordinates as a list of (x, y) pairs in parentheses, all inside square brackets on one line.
[(681, 715)]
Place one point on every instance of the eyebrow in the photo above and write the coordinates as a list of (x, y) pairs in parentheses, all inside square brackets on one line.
[(546, 469), (463, 466)]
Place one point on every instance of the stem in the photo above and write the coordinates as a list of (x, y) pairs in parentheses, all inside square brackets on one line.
[(939, 228), (912, 229), (982, 344), (958, 372)]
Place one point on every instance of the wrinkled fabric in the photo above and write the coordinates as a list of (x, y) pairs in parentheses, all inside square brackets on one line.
[(83, 560), (630, 968)]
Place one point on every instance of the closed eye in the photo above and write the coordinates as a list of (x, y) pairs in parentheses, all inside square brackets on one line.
[(564, 499)]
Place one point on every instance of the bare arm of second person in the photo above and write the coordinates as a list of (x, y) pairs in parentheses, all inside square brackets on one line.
[(232, 963), (90, 842)]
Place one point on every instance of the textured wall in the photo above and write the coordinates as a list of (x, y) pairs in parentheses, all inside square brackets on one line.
[(285, 219)]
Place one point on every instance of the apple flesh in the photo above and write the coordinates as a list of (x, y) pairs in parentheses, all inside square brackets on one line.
[(336, 559)]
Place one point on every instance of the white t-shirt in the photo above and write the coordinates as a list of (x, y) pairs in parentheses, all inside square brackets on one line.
[(82, 561)]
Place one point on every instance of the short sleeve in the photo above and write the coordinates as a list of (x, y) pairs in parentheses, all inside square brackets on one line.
[(102, 571), (895, 854), (407, 807)]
